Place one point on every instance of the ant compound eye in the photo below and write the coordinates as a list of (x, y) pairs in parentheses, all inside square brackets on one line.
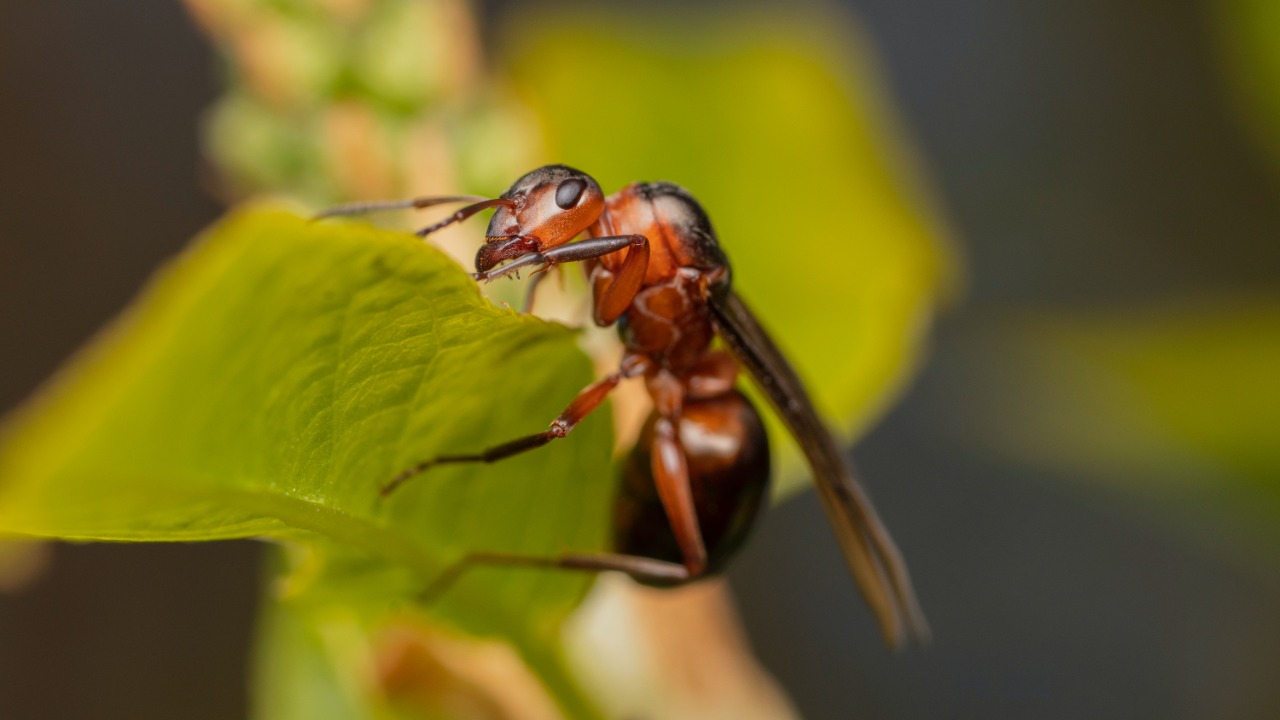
[(569, 191)]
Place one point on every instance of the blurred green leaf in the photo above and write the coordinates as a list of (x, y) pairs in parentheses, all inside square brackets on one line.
[(274, 376), (1181, 404), (305, 668), (772, 119), (1247, 31)]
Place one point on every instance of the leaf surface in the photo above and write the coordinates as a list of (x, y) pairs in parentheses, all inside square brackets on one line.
[(275, 375)]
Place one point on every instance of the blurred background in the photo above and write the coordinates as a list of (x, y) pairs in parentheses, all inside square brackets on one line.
[(1083, 474)]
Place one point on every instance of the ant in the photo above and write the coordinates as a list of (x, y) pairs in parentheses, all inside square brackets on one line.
[(694, 484)]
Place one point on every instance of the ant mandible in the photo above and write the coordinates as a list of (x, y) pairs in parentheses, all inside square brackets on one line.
[(694, 483)]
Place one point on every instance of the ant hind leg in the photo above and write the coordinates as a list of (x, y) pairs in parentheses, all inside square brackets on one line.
[(642, 569)]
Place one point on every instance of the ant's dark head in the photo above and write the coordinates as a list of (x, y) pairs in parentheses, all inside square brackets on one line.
[(554, 204)]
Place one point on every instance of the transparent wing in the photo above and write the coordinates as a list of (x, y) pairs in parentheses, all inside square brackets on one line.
[(872, 556)]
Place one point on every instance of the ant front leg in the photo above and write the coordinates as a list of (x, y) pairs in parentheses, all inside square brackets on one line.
[(530, 292), (615, 293), (586, 401)]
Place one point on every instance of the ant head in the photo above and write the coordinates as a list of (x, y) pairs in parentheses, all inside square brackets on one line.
[(553, 204)]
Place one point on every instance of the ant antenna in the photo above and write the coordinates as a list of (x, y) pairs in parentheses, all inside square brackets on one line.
[(361, 208), (465, 213)]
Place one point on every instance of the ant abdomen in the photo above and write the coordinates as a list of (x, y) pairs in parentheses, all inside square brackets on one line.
[(728, 455)]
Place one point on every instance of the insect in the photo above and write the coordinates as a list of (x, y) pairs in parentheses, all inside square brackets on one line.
[(699, 474)]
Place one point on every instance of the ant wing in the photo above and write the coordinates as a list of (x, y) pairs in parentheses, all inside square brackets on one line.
[(871, 554)]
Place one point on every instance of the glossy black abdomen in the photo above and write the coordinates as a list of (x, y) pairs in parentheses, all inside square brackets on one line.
[(728, 455)]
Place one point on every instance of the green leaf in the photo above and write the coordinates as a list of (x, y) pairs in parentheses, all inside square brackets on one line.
[(275, 375), (774, 122)]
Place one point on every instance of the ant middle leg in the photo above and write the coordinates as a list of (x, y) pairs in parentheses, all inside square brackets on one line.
[(586, 401)]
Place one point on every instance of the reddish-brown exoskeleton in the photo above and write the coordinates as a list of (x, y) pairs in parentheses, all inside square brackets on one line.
[(693, 485)]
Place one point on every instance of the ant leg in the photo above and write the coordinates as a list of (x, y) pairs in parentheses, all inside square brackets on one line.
[(671, 476), (362, 208), (638, 567), (530, 292), (617, 295), (613, 293), (586, 401)]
